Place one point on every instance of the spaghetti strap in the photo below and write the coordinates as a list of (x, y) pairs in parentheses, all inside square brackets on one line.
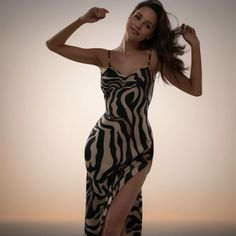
[(109, 58), (150, 55)]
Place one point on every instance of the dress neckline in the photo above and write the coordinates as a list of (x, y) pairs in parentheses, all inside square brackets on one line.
[(146, 67)]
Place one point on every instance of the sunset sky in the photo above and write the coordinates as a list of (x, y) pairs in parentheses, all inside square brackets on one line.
[(49, 104)]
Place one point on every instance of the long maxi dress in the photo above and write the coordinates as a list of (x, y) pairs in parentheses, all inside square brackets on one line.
[(119, 145)]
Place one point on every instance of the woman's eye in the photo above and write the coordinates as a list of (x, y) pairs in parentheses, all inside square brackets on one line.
[(137, 16), (148, 26)]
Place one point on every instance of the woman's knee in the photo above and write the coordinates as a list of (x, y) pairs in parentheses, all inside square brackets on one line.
[(111, 230), (112, 227)]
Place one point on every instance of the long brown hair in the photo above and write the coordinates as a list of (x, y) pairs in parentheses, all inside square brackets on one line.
[(164, 39)]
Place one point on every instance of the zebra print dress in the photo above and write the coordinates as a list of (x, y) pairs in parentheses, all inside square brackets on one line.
[(119, 145)]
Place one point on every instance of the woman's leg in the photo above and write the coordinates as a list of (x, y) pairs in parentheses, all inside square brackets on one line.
[(122, 204)]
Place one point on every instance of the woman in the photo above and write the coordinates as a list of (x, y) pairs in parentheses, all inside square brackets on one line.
[(119, 148)]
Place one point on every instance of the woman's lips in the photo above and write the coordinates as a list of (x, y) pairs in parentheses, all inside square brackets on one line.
[(134, 30)]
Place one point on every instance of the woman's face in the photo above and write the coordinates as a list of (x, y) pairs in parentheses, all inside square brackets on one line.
[(141, 24)]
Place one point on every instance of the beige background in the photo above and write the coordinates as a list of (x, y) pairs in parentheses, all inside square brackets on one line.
[(49, 104)]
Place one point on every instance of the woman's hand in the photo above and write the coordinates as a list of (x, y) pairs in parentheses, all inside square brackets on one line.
[(94, 14), (189, 35)]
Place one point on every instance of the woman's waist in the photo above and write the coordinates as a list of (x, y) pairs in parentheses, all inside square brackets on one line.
[(135, 123)]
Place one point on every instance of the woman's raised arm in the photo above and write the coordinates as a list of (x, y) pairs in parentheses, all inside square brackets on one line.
[(88, 56), (192, 85)]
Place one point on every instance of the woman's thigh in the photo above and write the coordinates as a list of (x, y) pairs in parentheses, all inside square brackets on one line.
[(124, 200)]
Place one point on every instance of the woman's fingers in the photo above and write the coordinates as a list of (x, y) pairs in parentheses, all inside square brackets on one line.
[(189, 35), (94, 14), (187, 28), (100, 12)]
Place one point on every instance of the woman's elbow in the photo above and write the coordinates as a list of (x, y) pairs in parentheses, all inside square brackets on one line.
[(49, 45), (197, 93)]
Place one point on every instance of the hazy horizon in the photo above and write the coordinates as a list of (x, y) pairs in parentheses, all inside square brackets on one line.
[(157, 229)]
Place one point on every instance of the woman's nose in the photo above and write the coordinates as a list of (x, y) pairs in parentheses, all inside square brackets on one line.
[(139, 25)]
